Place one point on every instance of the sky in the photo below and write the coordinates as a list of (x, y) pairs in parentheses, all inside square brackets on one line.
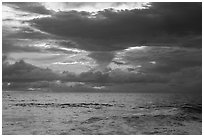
[(119, 42)]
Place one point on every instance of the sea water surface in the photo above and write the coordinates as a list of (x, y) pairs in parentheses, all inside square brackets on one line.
[(35, 112)]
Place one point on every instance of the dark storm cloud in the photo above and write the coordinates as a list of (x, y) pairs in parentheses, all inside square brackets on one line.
[(31, 7), (188, 79), (180, 18), (4, 58), (171, 23), (185, 80), (115, 76), (167, 59), (24, 72), (177, 26), (190, 75), (187, 76)]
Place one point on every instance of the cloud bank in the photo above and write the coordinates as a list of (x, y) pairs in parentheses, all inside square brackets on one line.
[(131, 43)]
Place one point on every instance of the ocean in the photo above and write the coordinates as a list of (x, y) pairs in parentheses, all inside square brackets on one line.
[(53, 113)]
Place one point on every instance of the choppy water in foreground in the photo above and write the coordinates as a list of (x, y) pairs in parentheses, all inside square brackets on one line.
[(100, 113)]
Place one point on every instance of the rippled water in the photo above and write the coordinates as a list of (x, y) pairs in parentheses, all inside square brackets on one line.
[(101, 113)]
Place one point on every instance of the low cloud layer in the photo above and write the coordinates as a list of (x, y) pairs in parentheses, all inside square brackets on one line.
[(24, 72), (184, 80)]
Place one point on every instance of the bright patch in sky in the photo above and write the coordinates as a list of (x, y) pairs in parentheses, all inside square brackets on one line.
[(70, 63), (152, 62), (71, 49), (94, 7), (99, 87), (136, 48)]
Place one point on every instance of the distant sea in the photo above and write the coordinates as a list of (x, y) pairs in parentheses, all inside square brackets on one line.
[(35, 112)]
